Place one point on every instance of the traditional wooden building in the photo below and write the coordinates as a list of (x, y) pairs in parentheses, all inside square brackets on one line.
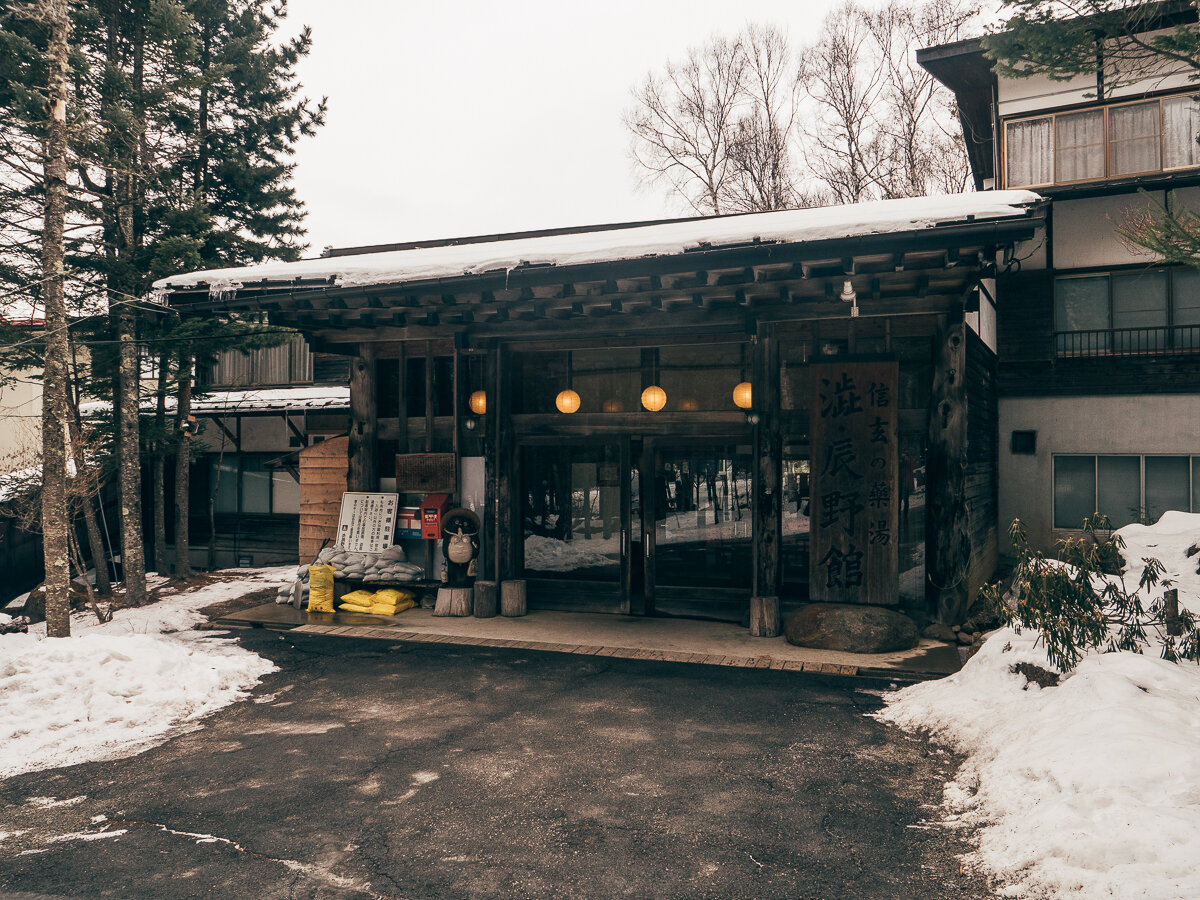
[(690, 417)]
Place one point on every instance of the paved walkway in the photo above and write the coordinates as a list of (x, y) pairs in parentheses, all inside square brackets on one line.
[(374, 769), (629, 637)]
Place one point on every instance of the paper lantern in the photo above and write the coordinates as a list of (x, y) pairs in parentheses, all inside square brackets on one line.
[(612, 405), (567, 401), (742, 395), (654, 398), (478, 403)]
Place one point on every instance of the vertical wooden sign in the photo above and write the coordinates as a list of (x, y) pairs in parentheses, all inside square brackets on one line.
[(854, 510)]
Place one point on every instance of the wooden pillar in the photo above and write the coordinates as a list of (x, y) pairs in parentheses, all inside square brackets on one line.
[(488, 559), (364, 444), (767, 511), (401, 393), (947, 534), (508, 552)]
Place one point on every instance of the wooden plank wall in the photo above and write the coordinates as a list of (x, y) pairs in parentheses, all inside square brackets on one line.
[(982, 484), (324, 469)]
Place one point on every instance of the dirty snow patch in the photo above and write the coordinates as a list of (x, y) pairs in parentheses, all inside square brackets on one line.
[(116, 689), (1087, 790)]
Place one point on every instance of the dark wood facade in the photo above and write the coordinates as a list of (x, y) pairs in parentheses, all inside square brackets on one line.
[(700, 323)]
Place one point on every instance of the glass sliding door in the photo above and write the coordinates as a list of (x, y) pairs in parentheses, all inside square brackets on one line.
[(699, 531), (574, 534)]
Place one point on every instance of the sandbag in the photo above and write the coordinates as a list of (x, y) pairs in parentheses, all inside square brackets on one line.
[(320, 589), (358, 598), (354, 607), (392, 596), (389, 609)]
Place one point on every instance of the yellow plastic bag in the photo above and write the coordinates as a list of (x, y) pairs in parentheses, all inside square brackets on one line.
[(320, 589), (393, 597), (358, 598), (389, 609), (354, 607)]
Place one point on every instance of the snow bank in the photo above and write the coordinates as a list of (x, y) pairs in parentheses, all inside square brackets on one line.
[(1089, 789), (667, 239), (116, 689)]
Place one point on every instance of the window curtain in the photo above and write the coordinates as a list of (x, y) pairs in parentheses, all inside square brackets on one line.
[(1139, 301), (1027, 151), (1081, 305), (1133, 139), (1079, 146), (1185, 308), (1181, 126)]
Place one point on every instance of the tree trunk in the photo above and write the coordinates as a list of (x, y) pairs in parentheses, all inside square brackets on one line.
[(183, 563), (158, 472), (133, 554), (55, 516)]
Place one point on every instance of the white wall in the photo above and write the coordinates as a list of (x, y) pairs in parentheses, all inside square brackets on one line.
[(1022, 95), (1143, 424), (20, 422)]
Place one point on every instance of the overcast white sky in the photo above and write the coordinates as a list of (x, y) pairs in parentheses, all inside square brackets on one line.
[(454, 118)]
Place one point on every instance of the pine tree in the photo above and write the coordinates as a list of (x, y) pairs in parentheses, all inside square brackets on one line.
[(184, 115)]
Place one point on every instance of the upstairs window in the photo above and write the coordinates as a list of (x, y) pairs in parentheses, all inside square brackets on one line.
[(1079, 146), (1126, 313), (1107, 142)]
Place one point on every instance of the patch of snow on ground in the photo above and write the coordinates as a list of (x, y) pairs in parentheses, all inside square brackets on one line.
[(116, 689), (1085, 790)]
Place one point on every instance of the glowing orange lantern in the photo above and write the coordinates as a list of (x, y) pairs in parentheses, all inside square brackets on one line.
[(654, 398), (567, 401), (742, 395), (478, 403)]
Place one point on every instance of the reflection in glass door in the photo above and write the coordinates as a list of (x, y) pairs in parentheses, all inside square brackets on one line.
[(573, 500), (699, 544)]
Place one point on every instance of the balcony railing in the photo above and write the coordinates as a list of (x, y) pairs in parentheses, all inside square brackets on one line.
[(1165, 340)]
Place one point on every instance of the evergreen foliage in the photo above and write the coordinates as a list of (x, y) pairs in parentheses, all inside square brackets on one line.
[(1079, 602), (183, 116)]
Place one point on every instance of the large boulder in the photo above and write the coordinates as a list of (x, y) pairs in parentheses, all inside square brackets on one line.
[(856, 629)]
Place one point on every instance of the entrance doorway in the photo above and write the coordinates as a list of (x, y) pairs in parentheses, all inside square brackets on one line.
[(660, 526)]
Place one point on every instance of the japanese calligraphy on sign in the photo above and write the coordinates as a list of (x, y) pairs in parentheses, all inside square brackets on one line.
[(368, 521), (854, 510)]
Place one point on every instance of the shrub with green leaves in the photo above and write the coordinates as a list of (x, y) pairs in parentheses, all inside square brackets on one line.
[(1078, 602)]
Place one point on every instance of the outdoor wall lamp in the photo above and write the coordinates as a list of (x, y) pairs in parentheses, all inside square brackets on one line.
[(478, 402), (743, 395), (654, 398), (849, 296), (470, 423), (752, 418), (567, 401)]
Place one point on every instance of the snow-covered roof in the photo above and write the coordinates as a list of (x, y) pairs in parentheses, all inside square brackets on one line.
[(290, 399), (666, 239)]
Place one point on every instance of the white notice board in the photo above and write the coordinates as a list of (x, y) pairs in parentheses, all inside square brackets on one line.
[(368, 521)]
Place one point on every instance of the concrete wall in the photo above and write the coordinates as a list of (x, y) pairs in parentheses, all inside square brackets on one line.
[(1143, 424)]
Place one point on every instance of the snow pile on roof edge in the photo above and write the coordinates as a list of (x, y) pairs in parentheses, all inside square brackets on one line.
[(668, 239)]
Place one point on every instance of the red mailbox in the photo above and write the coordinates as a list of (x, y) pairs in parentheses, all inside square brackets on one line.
[(433, 508)]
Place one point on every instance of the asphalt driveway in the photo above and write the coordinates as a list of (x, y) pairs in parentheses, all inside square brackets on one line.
[(368, 769)]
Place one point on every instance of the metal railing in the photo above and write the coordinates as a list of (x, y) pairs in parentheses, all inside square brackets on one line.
[(1163, 340)]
